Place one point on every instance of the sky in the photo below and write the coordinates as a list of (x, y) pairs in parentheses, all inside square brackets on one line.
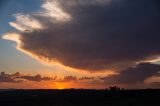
[(58, 44)]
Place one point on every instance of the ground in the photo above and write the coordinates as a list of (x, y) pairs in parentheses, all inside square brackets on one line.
[(81, 97)]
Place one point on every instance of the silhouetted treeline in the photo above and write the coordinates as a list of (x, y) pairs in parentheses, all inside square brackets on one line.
[(80, 97)]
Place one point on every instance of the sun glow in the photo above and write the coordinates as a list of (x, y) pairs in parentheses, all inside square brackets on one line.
[(60, 85)]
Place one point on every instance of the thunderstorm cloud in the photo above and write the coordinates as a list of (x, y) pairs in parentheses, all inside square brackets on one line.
[(91, 34)]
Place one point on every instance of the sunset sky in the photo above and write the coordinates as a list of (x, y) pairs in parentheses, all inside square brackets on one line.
[(57, 44)]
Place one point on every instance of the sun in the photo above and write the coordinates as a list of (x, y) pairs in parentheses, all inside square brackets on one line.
[(61, 86)]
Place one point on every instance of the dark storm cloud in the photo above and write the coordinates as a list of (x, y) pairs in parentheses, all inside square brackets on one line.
[(133, 75), (114, 35)]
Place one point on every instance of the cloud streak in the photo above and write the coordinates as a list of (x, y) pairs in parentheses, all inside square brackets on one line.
[(37, 78), (18, 78), (9, 78)]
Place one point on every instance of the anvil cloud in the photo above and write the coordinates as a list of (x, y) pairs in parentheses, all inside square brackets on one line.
[(92, 34)]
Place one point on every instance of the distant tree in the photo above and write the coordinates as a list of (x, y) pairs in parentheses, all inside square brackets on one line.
[(114, 88)]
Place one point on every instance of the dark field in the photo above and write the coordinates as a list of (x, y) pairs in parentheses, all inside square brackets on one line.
[(80, 98)]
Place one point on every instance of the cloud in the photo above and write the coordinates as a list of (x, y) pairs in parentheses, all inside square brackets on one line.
[(25, 22), (76, 79), (36, 78), (156, 84), (9, 78), (134, 75), (155, 79), (69, 78), (18, 77), (86, 78), (91, 35)]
